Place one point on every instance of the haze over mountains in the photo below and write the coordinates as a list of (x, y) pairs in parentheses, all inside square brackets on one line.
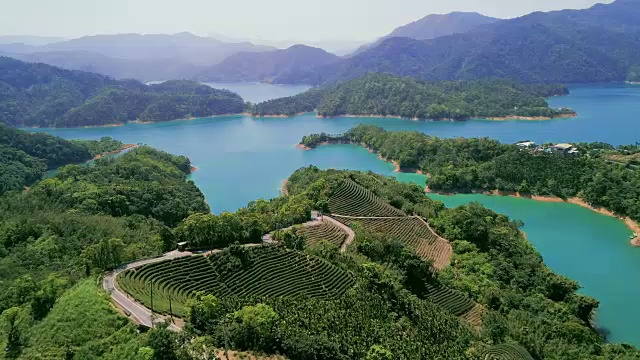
[(598, 44), (144, 57), (436, 25), (269, 66)]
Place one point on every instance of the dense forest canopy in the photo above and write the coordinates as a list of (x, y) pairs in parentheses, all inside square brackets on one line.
[(40, 95), (526, 302), (85, 220), (602, 175), (25, 157), (387, 95)]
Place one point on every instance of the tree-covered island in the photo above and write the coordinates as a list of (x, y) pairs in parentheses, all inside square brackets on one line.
[(387, 95)]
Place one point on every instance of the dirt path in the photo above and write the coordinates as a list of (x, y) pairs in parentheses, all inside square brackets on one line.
[(350, 234)]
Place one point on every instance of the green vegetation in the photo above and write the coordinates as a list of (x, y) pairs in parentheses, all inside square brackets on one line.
[(507, 352), (387, 95), (24, 157), (325, 231), (247, 225), (307, 101), (105, 145), (492, 264), (410, 231), (45, 96), (466, 164), (351, 199), (82, 325), (264, 271), (382, 298), (84, 220)]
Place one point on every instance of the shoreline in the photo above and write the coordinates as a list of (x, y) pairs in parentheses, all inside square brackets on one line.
[(502, 118), (283, 187), (123, 147), (396, 165), (631, 224), (284, 116), (193, 169)]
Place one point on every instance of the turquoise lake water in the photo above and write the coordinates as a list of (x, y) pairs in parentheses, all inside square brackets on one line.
[(240, 159)]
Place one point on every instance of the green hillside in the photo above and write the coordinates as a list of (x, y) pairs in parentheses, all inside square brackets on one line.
[(386, 95), (39, 95)]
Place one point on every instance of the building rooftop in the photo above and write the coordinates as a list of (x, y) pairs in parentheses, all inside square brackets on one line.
[(562, 146)]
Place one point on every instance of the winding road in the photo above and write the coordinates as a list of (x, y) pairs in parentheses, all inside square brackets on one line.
[(139, 313), (142, 315)]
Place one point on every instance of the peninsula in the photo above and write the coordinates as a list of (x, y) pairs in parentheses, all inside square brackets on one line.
[(592, 175)]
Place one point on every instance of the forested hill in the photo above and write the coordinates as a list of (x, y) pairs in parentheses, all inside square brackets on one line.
[(270, 66), (24, 157), (40, 95), (387, 95), (598, 44), (80, 223)]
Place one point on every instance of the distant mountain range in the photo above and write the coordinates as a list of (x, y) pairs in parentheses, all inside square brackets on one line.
[(435, 26), (270, 65), (143, 57), (599, 44), (29, 39)]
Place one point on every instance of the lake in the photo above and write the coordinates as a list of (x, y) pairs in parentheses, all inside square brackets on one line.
[(240, 159)]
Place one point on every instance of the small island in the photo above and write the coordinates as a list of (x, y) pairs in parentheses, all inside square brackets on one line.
[(381, 95)]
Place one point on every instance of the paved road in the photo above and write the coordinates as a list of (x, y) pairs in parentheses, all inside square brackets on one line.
[(136, 311), (139, 313)]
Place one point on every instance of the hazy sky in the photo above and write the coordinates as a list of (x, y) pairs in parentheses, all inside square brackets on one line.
[(266, 19)]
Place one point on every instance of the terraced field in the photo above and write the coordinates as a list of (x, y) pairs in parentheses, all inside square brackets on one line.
[(272, 271), (506, 352), (451, 300), (412, 231), (351, 199), (474, 316), (326, 231)]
